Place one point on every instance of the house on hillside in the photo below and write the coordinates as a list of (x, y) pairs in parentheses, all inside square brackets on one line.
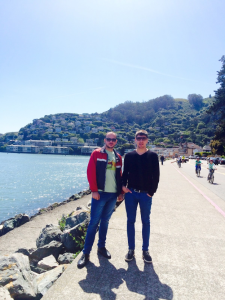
[(207, 148)]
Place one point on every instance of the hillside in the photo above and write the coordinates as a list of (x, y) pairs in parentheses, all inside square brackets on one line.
[(166, 119)]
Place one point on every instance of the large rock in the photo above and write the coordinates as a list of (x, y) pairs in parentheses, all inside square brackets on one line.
[(15, 275), (25, 251), (48, 234), (45, 281), (20, 220), (69, 235), (8, 226), (48, 263), (17, 221), (77, 217), (53, 248), (65, 258), (4, 294), (1, 229)]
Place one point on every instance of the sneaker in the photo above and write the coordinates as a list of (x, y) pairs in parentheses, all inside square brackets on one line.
[(104, 252), (83, 261), (130, 255), (146, 256)]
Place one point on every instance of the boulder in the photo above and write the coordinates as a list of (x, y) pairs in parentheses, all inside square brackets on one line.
[(4, 294), (16, 277), (65, 258), (76, 232), (17, 221), (48, 263), (45, 281), (48, 234), (1, 229), (35, 269), (53, 248), (8, 225), (20, 220), (25, 251), (77, 217)]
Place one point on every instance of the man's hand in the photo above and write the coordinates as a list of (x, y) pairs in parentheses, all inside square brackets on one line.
[(95, 195), (120, 198), (126, 190)]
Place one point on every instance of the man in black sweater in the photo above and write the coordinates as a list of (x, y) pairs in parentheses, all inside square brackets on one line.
[(140, 181)]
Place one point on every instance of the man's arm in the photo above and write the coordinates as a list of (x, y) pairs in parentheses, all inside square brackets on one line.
[(125, 175), (155, 174), (91, 173)]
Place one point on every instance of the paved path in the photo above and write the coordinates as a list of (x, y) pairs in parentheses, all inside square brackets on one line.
[(187, 246), (25, 236)]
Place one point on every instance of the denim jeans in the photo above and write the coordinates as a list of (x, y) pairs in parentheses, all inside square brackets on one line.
[(131, 202), (101, 211)]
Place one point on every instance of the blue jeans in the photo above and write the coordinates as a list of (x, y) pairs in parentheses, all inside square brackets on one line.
[(101, 211), (131, 202)]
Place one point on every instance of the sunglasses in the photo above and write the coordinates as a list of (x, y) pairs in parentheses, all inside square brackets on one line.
[(141, 138), (109, 140)]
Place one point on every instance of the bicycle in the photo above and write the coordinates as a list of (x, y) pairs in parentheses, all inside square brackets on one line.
[(198, 170), (211, 176)]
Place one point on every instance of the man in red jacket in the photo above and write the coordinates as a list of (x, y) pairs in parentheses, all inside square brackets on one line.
[(104, 174)]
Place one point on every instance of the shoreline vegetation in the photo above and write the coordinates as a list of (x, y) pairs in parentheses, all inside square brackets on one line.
[(20, 219)]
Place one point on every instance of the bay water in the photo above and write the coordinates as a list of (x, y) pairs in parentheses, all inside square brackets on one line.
[(29, 182)]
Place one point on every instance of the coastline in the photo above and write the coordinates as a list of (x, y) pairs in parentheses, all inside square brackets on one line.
[(20, 219)]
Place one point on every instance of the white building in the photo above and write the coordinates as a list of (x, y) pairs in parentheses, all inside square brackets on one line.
[(40, 143), (23, 148)]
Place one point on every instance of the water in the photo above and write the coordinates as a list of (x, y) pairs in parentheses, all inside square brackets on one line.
[(29, 182)]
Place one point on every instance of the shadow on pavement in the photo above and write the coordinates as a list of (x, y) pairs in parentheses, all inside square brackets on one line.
[(103, 280), (146, 282)]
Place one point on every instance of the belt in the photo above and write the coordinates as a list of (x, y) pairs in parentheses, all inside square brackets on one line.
[(139, 191)]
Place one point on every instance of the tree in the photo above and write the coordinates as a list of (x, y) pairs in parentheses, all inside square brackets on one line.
[(218, 109), (195, 100)]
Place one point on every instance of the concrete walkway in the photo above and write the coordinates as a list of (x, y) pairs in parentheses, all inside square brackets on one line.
[(187, 248)]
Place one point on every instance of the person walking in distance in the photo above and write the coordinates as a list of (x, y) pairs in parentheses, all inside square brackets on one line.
[(162, 159), (104, 174), (140, 181)]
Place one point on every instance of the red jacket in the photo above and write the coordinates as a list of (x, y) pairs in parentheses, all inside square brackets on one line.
[(96, 170)]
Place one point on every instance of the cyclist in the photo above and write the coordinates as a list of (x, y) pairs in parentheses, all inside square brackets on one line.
[(198, 164), (211, 168), (183, 158)]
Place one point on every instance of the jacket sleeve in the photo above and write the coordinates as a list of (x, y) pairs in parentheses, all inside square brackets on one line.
[(121, 164), (155, 175), (91, 173), (125, 171)]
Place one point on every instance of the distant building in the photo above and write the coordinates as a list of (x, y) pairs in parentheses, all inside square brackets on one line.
[(39, 143), (87, 150), (55, 150), (22, 149), (207, 148), (58, 129)]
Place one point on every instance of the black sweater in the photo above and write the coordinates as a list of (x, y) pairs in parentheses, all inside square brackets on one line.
[(141, 172)]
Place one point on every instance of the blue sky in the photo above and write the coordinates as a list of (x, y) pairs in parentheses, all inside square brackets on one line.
[(88, 56)]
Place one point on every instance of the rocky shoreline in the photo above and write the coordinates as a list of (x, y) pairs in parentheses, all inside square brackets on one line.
[(29, 273), (20, 219)]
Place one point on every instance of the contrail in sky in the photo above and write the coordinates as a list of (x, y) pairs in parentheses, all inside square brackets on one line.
[(143, 68)]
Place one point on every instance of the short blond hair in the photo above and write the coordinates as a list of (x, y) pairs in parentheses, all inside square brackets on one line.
[(141, 132)]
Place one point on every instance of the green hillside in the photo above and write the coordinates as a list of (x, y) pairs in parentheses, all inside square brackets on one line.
[(166, 119)]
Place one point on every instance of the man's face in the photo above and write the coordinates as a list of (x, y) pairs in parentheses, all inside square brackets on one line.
[(141, 141), (110, 140)]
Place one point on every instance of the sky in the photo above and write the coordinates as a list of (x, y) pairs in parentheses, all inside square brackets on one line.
[(70, 56)]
